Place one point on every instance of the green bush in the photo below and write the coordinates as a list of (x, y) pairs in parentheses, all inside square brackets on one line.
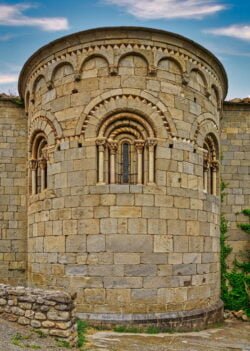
[(235, 283)]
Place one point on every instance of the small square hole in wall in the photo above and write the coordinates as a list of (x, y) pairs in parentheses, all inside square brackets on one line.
[(171, 146), (58, 148), (195, 100), (79, 144)]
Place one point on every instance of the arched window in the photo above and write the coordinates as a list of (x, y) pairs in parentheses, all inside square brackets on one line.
[(125, 149), (210, 165), (38, 163)]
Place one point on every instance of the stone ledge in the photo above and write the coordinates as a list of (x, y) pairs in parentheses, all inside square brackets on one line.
[(179, 321)]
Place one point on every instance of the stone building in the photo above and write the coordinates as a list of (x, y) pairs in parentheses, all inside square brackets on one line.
[(110, 175)]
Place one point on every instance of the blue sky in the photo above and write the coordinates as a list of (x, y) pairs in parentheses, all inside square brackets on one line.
[(222, 26)]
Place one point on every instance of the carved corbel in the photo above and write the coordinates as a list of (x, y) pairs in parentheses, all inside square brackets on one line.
[(152, 70), (185, 78), (32, 98), (77, 77), (50, 85), (113, 70)]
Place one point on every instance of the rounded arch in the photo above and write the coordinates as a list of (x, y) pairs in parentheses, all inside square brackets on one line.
[(215, 90), (127, 120), (199, 78), (62, 68), (204, 119), (39, 83), (43, 125), (133, 54), (27, 101), (212, 143), (171, 59), (38, 142), (93, 56), (116, 100)]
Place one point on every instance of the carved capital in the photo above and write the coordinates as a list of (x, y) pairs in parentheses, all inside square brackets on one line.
[(139, 145), (101, 142), (33, 164), (42, 163), (151, 142), (113, 145), (215, 165)]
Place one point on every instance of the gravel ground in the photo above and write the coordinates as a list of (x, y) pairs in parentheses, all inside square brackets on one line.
[(14, 337), (233, 336)]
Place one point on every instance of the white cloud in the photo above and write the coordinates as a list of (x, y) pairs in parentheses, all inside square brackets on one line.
[(12, 15), (166, 9), (234, 31), (8, 78)]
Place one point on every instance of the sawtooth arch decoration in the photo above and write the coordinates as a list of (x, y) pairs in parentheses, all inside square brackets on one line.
[(117, 100)]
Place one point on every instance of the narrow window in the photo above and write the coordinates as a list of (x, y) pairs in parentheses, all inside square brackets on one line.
[(125, 163)]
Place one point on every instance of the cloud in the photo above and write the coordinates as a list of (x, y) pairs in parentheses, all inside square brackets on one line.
[(167, 9), (234, 31), (8, 78), (12, 15), (6, 37)]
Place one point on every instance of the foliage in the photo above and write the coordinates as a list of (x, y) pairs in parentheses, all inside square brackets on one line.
[(18, 101), (81, 331), (235, 283)]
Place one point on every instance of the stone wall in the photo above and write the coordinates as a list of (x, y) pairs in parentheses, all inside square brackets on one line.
[(52, 312), (13, 209), (235, 143)]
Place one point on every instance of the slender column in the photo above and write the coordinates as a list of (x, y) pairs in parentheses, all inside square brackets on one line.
[(113, 145), (205, 176), (43, 166), (139, 145), (151, 156), (33, 168), (214, 177), (101, 149)]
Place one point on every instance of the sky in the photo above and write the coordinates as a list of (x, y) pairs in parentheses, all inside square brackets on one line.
[(222, 26)]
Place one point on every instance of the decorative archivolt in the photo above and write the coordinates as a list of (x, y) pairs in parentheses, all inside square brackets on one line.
[(126, 149), (204, 124), (118, 100), (46, 126)]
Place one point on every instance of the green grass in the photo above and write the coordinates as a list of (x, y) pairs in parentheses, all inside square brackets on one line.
[(81, 331), (18, 339), (63, 343)]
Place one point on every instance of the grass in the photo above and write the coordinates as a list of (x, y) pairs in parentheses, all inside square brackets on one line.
[(63, 343), (81, 331), (18, 339)]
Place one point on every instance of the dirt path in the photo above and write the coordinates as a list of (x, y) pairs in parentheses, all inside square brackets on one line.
[(233, 336)]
